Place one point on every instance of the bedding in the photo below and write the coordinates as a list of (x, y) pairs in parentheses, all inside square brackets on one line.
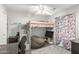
[(37, 42)]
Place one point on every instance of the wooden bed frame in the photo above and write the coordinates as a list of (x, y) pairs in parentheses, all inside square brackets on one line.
[(41, 24)]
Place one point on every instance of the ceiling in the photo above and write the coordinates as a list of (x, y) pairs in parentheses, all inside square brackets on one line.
[(34, 8)]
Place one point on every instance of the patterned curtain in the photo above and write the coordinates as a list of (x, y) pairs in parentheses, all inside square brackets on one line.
[(65, 29)]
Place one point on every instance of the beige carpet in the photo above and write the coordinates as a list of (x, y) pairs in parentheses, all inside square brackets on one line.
[(52, 49)]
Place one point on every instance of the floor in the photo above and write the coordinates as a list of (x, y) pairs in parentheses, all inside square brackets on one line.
[(9, 48), (52, 49)]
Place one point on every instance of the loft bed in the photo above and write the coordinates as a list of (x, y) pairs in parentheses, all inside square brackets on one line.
[(37, 24), (41, 24)]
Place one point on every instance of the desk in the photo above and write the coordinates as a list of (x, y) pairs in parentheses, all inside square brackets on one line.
[(75, 47), (9, 48)]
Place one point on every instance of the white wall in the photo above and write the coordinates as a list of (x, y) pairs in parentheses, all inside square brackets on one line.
[(74, 9), (3, 25), (14, 18)]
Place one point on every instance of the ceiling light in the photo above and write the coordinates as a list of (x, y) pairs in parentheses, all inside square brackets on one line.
[(43, 10)]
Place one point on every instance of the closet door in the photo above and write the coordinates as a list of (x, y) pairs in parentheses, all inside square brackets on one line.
[(3, 26)]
